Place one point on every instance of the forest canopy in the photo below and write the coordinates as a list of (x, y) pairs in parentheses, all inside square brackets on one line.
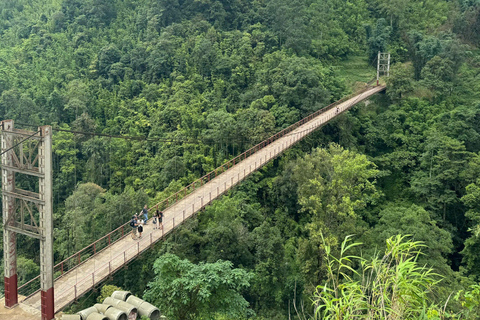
[(205, 81)]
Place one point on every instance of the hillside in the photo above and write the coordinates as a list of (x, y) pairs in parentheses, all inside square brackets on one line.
[(204, 81)]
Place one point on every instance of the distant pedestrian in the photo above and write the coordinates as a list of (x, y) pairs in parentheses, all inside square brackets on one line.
[(140, 229), (134, 225), (145, 213), (159, 215), (338, 110)]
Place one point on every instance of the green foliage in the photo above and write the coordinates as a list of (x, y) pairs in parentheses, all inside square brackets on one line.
[(438, 75), (392, 286), (27, 269), (107, 291), (90, 212), (470, 301), (470, 254), (334, 185), (416, 221), (377, 39), (189, 291), (213, 78), (400, 83)]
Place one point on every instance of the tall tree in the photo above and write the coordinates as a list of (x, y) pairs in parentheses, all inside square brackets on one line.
[(189, 291)]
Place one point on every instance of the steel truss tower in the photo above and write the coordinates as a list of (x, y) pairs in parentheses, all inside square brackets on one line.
[(27, 212), (383, 65)]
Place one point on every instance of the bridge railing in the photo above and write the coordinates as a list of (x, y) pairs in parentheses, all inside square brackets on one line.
[(94, 248), (76, 259), (201, 181), (117, 261)]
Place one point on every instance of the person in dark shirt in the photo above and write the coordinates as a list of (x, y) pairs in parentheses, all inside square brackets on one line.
[(159, 215), (140, 229), (134, 225), (145, 213)]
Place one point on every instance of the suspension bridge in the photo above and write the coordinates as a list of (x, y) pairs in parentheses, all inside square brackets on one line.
[(88, 268)]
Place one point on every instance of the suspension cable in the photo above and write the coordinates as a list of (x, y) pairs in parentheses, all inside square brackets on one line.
[(138, 138)]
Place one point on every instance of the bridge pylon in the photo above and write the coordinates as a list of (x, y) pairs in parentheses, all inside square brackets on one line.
[(383, 65), (27, 212)]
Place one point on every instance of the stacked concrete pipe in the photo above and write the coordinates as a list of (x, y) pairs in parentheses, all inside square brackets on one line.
[(86, 312), (121, 295), (71, 317), (110, 312), (120, 306), (129, 309), (102, 308), (96, 316), (144, 308)]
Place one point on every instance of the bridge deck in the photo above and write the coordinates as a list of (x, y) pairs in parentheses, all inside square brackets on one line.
[(93, 271)]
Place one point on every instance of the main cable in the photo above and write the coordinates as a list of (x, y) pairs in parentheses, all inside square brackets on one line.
[(138, 138)]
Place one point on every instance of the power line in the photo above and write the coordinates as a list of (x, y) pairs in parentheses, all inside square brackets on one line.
[(137, 138)]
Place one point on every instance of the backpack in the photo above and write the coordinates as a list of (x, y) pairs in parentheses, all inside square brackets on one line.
[(132, 223)]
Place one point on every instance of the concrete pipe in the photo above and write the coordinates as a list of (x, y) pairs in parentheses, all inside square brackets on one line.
[(144, 308), (129, 309), (102, 308), (86, 312), (115, 314), (136, 301), (96, 316), (71, 317), (121, 295), (149, 310)]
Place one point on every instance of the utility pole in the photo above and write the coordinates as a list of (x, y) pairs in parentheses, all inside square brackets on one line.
[(383, 65), (27, 212)]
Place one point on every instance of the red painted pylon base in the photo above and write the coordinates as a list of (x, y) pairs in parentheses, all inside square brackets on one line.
[(48, 309), (11, 291)]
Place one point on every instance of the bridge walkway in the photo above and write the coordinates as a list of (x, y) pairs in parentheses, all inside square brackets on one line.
[(91, 272)]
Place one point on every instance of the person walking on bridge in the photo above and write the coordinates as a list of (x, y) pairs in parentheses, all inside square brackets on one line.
[(140, 228), (145, 213), (134, 225), (159, 215)]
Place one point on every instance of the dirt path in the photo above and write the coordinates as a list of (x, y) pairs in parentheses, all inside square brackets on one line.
[(20, 312)]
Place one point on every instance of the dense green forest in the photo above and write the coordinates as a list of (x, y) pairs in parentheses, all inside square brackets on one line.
[(207, 79)]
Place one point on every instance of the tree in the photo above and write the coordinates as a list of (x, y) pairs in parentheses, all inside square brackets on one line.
[(377, 39), (189, 291), (288, 21), (394, 9), (418, 223), (270, 265), (100, 13), (471, 258), (334, 186), (96, 167), (27, 269), (422, 49), (205, 56), (108, 56), (400, 82), (78, 220), (440, 178), (438, 76)]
